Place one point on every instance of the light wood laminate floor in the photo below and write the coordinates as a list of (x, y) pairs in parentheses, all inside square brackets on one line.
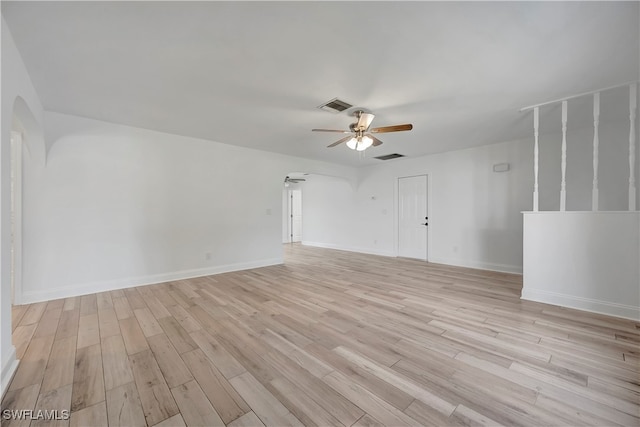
[(329, 338)]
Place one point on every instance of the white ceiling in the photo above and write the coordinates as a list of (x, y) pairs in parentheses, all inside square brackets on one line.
[(253, 73)]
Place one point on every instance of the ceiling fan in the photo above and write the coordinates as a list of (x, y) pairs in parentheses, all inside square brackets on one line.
[(293, 180), (361, 137)]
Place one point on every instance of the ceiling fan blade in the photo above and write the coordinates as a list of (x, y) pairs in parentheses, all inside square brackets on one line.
[(394, 128), (376, 141), (330, 130), (364, 121), (345, 139)]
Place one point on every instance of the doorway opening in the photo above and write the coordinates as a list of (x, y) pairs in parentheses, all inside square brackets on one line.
[(294, 215), (413, 217), (292, 207)]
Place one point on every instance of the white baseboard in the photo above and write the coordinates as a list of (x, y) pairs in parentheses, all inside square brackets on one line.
[(480, 265), (348, 248), (110, 285), (9, 368), (580, 303)]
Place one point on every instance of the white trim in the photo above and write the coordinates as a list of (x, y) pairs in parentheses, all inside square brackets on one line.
[(579, 212), (591, 92), (8, 370), (480, 265), (348, 248), (109, 285), (16, 216), (585, 304)]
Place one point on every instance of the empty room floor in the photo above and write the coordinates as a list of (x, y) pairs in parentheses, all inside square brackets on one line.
[(328, 338)]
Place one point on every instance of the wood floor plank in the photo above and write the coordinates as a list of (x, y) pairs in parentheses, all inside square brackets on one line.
[(266, 407), (177, 334), (21, 338), (88, 330), (302, 406), (91, 416), (123, 406), (194, 405), (171, 364), (122, 308), (88, 379), (68, 324), (57, 403), (134, 339), (175, 421), (148, 322), (108, 322), (48, 323), (224, 398), (33, 313), (115, 361), (247, 420), (156, 399), (61, 364), (32, 366), (368, 401), (24, 398), (88, 304)]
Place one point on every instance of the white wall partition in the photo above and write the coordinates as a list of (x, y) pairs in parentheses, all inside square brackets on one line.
[(587, 259), (584, 260)]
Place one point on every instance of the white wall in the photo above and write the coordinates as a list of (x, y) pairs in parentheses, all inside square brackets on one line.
[(118, 206), (328, 211), (474, 213), (19, 101), (585, 260)]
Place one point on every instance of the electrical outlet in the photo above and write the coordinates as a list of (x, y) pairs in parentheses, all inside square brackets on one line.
[(455, 249), (207, 256)]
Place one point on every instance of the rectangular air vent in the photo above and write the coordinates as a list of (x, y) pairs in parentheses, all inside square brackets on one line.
[(335, 106), (389, 156)]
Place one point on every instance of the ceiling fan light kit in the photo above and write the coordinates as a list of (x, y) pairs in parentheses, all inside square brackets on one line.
[(360, 143), (360, 140)]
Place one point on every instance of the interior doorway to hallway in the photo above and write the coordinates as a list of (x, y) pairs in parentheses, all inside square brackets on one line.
[(294, 215)]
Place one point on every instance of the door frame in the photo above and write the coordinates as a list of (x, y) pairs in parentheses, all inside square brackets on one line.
[(17, 144), (290, 213), (396, 211)]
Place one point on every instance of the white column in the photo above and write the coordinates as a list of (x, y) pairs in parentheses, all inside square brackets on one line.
[(596, 147), (563, 162), (536, 122), (633, 103)]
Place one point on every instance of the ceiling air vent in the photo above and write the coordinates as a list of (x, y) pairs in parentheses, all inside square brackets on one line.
[(335, 106), (389, 156)]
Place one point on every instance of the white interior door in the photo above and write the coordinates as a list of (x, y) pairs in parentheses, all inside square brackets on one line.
[(295, 215), (412, 217)]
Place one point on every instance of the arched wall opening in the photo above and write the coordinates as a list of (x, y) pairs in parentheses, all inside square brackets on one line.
[(23, 155)]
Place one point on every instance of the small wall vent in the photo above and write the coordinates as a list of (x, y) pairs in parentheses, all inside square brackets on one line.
[(335, 106), (389, 156)]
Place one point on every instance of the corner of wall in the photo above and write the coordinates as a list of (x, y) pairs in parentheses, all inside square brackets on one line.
[(9, 367)]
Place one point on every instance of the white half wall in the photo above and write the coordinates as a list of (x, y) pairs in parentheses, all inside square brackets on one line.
[(584, 260)]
